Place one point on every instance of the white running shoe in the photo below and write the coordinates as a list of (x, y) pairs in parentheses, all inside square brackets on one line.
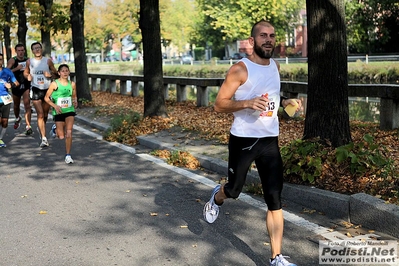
[(280, 260), (68, 159), (52, 131), (211, 209), (44, 143)]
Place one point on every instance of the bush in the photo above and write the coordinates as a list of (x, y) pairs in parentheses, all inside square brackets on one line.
[(365, 157), (304, 158), (121, 126)]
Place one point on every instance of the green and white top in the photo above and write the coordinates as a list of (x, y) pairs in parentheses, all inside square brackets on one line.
[(62, 97)]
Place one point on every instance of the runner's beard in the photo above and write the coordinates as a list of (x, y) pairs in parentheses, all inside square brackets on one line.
[(262, 53)]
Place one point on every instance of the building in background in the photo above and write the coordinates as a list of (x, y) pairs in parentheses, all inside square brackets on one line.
[(296, 43)]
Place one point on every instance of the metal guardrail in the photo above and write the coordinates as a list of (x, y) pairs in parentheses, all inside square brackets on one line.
[(373, 58)]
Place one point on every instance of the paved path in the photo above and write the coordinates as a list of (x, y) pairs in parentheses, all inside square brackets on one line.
[(117, 205)]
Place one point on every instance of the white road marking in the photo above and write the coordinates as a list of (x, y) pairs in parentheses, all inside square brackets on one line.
[(88, 132)]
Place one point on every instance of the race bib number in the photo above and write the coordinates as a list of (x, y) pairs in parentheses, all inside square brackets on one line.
[(23, 64), (6, 99), (272, 109), (64, 102), (40, 79)]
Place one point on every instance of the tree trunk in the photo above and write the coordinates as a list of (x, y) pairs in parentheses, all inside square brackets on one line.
[(22, 27), (45, 29), (327, 114), (154, 96), (7, 30), (78, 40)]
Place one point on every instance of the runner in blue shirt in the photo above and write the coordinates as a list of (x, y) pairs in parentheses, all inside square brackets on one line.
[(7, 81)]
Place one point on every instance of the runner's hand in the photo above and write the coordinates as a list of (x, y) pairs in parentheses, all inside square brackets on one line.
[(259, 103), (58, 110)]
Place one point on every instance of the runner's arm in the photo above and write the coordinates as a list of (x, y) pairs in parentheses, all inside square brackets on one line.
[(27, 74), (10, 64), (224, 103), (14, 81), (50, 90), (74, 96), (53, 71), (286, 102)]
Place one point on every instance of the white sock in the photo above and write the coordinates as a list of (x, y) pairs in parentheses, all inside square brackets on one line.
[(2, 132)]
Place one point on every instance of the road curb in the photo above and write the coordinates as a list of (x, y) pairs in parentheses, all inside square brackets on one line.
[(332, 204), (379, 215), (93, 124)]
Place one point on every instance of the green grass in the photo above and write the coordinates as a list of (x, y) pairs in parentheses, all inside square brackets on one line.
[(380, 72)]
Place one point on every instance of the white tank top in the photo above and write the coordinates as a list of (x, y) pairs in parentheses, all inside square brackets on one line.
[(37, 68), (262, 80)]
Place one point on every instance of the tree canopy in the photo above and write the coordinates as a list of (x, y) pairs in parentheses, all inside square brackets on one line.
[(178, 18), (372, 26), (233, 20)]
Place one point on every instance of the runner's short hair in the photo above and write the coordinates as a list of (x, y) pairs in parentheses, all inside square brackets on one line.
[(35, 43)]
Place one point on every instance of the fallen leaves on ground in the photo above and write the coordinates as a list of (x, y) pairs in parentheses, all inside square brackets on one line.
[(204, 122), (178, 158)]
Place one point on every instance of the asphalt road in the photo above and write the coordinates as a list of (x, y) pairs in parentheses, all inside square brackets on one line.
[(117, 205)]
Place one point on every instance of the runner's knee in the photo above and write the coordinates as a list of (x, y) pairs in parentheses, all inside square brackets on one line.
[(27, 106), (273, 200), (69, 133)]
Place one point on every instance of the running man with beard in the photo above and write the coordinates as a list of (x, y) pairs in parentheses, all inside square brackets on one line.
[(17, 65), (251, 91), (39, 70)]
